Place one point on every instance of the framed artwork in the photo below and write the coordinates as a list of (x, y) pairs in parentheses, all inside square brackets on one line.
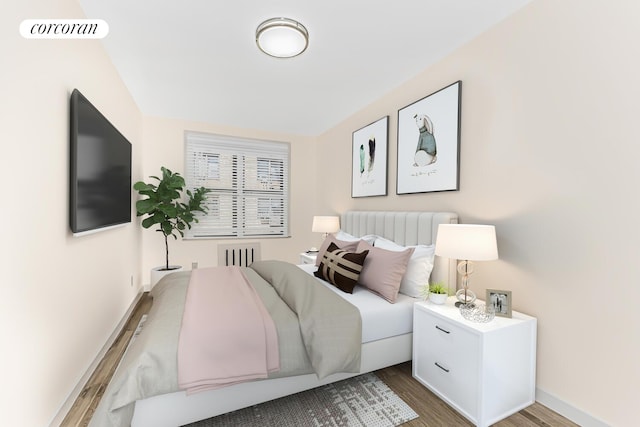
[(369, 159), (429, 143), (500, 301)]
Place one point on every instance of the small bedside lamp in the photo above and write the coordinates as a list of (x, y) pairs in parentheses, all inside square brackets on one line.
[(326, 225), (466, 242)]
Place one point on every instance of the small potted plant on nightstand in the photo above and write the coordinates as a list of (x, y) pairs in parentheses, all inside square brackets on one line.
[(438, 293)]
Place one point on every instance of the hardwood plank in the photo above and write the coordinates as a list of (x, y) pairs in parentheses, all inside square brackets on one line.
[(83, 408), (432, 411)]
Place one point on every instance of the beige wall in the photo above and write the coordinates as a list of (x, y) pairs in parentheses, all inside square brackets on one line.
[(164, 146), (549, 104), (549, 148), (60, 297)]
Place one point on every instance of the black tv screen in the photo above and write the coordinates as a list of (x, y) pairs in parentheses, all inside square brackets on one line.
[(100, 170)]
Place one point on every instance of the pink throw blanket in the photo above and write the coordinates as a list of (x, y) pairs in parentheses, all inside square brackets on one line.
[(227, 334)]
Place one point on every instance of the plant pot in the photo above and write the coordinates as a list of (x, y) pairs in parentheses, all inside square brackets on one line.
[(158, 273), (438, 298)]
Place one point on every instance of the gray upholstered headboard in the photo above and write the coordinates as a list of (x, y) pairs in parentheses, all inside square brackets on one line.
[(406, 228)]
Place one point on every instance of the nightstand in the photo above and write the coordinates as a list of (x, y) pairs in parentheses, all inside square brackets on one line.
[(308, 257), (485, 371)]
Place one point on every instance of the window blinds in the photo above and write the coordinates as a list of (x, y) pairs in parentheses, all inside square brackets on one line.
[(249, 183)]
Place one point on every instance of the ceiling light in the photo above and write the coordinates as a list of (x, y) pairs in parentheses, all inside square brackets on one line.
[(282, 37)]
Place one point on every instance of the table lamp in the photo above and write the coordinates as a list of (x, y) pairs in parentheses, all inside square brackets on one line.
[(467, 243), (326, 225)]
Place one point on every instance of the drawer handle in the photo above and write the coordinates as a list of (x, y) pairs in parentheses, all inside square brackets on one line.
[(443, 330), (442, 367)]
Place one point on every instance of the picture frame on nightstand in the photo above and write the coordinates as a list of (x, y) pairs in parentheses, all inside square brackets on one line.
[(500, 301)]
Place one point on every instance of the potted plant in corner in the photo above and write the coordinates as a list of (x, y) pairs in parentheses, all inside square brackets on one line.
[(163, 206), (438, 293)]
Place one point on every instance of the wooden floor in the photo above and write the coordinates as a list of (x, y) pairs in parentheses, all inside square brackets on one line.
[(83, 408), (432, 412)]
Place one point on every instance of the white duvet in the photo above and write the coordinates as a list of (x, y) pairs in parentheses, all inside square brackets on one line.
[(380, 319)]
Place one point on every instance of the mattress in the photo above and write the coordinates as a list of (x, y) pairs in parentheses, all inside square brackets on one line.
[(380, 319)]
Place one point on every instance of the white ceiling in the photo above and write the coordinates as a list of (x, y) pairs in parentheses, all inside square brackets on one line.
[(197, 59)]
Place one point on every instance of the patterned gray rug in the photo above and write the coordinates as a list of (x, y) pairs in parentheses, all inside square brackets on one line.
[(359, 401)]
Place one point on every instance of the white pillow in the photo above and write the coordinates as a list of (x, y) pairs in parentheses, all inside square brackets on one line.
[(346, 237), (419, 267), (387, 244)]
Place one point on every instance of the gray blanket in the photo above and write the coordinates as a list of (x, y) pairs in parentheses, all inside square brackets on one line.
[(317, 332), (331, 327)]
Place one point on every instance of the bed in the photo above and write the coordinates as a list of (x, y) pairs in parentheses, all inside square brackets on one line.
[(386, 332)]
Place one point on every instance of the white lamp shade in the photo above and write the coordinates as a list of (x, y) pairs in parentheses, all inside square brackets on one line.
[(282, 37), (325, 224), (471, 242)]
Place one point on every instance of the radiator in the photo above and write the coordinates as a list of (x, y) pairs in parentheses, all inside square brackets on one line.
[(241, 254)]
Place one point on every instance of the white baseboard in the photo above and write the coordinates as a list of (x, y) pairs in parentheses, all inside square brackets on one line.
[(574, 414), (66, 407)]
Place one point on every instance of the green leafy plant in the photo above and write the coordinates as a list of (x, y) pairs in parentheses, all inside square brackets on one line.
[(163, 206), (438, 288)]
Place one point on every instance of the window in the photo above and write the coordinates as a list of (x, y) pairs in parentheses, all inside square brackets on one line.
[(249, 183)]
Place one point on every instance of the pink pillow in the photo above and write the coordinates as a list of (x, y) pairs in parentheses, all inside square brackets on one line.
[(347, 246), (383, 270)]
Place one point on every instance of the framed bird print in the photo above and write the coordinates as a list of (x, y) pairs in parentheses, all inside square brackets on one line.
[(429, 143), (369, 159)]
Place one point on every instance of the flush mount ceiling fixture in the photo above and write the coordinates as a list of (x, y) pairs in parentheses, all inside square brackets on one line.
[(282, 37)]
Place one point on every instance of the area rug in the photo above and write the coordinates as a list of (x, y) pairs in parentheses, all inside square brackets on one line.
[(362, 401)]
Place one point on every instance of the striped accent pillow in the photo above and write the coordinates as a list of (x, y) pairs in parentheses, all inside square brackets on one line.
[(341, 268)]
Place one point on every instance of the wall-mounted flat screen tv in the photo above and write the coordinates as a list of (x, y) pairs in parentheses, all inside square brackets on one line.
[(100, 170)]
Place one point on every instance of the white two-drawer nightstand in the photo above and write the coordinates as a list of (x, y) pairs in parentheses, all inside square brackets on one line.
[(485, 371), (308, 257)]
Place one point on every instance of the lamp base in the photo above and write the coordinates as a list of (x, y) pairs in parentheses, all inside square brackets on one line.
[(470, 304), (465, 296)]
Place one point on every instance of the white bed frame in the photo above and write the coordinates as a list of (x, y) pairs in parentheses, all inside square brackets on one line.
[(405, 228)]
